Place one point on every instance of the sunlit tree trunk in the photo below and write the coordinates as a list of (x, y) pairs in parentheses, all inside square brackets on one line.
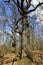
[(26, 32), (25, 35)]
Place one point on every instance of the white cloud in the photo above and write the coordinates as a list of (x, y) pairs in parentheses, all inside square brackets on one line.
[(35, 2)]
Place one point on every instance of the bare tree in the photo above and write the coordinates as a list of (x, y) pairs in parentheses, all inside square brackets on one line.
[(23, 7)]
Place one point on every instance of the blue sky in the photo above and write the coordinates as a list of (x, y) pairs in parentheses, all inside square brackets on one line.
[(9, 14)]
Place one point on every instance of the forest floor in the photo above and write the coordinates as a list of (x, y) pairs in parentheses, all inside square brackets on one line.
[(11, 59)]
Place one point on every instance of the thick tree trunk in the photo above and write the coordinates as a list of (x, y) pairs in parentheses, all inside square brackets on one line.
[(26, 33), (24, 37)]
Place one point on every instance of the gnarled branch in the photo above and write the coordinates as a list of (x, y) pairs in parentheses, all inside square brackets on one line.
[(34, 8)]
